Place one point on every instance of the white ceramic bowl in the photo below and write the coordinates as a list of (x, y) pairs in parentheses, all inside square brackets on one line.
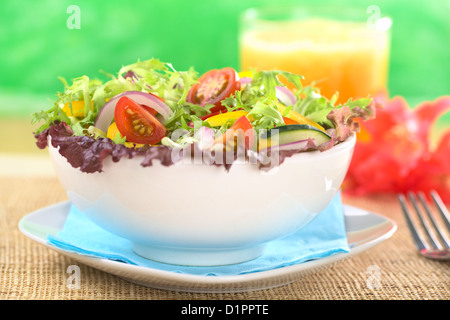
[(197, 214)]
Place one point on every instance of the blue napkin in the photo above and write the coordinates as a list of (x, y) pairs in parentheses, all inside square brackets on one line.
[(324, 236)]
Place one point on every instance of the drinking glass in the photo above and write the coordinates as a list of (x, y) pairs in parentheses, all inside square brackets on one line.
[(340, 50)]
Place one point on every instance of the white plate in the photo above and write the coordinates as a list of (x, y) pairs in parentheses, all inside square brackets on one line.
[(364, 230)]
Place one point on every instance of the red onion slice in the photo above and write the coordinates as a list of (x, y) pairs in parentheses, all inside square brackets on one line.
[(245, 80), (106, 114), (205, 137), (285, 96)]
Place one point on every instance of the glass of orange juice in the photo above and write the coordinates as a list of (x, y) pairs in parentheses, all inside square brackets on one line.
[(340, 50)]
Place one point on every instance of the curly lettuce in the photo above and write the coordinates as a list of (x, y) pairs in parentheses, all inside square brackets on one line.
[(151, 76), (85, 146)]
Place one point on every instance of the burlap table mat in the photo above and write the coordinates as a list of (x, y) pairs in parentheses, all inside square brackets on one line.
[(29, 271)]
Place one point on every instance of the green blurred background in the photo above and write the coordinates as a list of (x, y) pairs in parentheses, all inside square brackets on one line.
[(37, 46)]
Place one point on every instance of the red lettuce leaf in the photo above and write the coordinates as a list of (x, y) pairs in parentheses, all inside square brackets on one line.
[(346, 121), (87, 153)]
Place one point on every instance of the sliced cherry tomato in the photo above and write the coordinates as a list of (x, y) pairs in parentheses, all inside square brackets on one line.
[(214, 86), (246, 128), (136, 123), (152, 111)]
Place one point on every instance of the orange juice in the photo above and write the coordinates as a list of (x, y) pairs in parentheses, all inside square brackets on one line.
[(341, 57)]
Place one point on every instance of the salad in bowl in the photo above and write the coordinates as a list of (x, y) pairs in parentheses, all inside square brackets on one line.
[(199, 169)]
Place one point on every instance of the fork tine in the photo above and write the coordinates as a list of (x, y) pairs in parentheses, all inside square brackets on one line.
[(441, 208), (437, 229), (418, 240), (426, 227)]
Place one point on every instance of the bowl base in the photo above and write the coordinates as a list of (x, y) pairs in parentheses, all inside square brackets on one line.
[(200, 257)]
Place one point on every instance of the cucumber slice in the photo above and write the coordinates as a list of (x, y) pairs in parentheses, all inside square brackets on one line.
[(292, 133)]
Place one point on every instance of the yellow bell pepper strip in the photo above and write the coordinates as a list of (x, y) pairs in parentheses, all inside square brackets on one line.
[(77, 109), (223, 118), (112, 133), (245, 74), (289, 121), (297, 117)]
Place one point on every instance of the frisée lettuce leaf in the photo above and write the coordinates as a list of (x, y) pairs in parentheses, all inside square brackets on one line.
[(79, 138), (151, 76), (316, 107)]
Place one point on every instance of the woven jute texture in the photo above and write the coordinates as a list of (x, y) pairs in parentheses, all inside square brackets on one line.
[(30, 271)]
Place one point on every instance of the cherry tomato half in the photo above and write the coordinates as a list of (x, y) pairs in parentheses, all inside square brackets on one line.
[(151, 110), (241, 126), (214, 86), (136, 123)]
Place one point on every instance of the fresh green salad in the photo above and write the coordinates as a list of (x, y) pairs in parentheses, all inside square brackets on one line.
[(150, 105)]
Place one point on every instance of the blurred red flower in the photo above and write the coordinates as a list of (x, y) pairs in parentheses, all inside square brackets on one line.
[(394, 154)]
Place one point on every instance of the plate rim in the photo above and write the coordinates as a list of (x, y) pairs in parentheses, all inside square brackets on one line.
[(107, 265)]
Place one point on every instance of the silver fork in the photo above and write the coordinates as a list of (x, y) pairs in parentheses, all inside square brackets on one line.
[(437, 246)]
